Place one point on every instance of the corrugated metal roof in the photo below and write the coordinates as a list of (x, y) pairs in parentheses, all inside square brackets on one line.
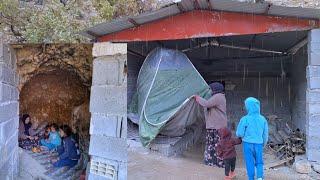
[(189, 5)]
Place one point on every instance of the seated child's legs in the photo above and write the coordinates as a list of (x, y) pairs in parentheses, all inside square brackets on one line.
[(259, 159), (46, 144), (65, 162)]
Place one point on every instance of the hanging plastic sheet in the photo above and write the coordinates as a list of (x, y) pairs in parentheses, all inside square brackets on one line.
[(163, 103)]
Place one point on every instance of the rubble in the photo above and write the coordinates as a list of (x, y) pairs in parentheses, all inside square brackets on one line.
[(285, 142)]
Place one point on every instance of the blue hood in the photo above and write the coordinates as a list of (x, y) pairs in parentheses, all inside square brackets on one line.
[(253, 128), (252, 106)]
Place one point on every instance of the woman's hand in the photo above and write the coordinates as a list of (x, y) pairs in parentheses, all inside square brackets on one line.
[(196, 97)]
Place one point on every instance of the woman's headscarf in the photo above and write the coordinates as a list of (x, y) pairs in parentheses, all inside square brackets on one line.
[(26, 126), (216, 88)]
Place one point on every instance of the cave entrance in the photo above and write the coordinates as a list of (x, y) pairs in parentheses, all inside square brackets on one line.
[(54, 85)]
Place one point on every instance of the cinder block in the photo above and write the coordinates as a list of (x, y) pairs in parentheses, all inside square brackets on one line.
[(108, 147), (109, 70), (110, 100), (313, 82), (313, 96), (8, 111), (8, 128), (6, 74), (108, 49), (314, 58), (8, 148), (313, 154), (314, 36), (5, 92), (313, 108), (102, 124), (9, 168), (313, 71)]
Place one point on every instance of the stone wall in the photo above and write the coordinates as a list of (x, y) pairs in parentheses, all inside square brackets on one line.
[(313, 96), (108, 107), (9, 94)]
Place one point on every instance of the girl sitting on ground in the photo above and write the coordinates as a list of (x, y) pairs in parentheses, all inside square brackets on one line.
[(68, 152), (54, 139)]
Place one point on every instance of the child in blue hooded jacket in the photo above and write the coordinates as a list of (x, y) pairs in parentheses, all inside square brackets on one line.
[(253, 129), (54, 139)]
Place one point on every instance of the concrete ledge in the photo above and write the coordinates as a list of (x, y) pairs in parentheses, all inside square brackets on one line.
[(108, 49), (108, 147)]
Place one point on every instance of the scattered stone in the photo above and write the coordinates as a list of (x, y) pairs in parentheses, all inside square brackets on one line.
[(302, 166)]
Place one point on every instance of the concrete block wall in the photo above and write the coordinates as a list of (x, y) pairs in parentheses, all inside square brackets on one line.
[(108, 107), (9, 120), (272, 93), (298, 88), (313, 93), (134, 66)]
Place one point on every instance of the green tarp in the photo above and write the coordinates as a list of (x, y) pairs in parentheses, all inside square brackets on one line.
[(163, 103)]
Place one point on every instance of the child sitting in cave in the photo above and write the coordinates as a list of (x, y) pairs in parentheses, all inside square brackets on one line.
[(54, 139), (68, 152)]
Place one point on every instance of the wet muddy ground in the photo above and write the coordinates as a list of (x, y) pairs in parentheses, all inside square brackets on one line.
[(144, 165)]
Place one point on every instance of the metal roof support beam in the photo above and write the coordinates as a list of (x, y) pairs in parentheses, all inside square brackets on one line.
[(295, 48), (215, 43), (176, 27), (136, 53)]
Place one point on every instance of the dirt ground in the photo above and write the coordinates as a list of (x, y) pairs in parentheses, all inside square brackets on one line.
[(144, 165)]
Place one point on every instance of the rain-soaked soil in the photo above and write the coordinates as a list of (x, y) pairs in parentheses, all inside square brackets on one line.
[(144, 165)]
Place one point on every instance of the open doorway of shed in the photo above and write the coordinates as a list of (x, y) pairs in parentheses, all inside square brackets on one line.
[(270, 67), (54, 85)]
